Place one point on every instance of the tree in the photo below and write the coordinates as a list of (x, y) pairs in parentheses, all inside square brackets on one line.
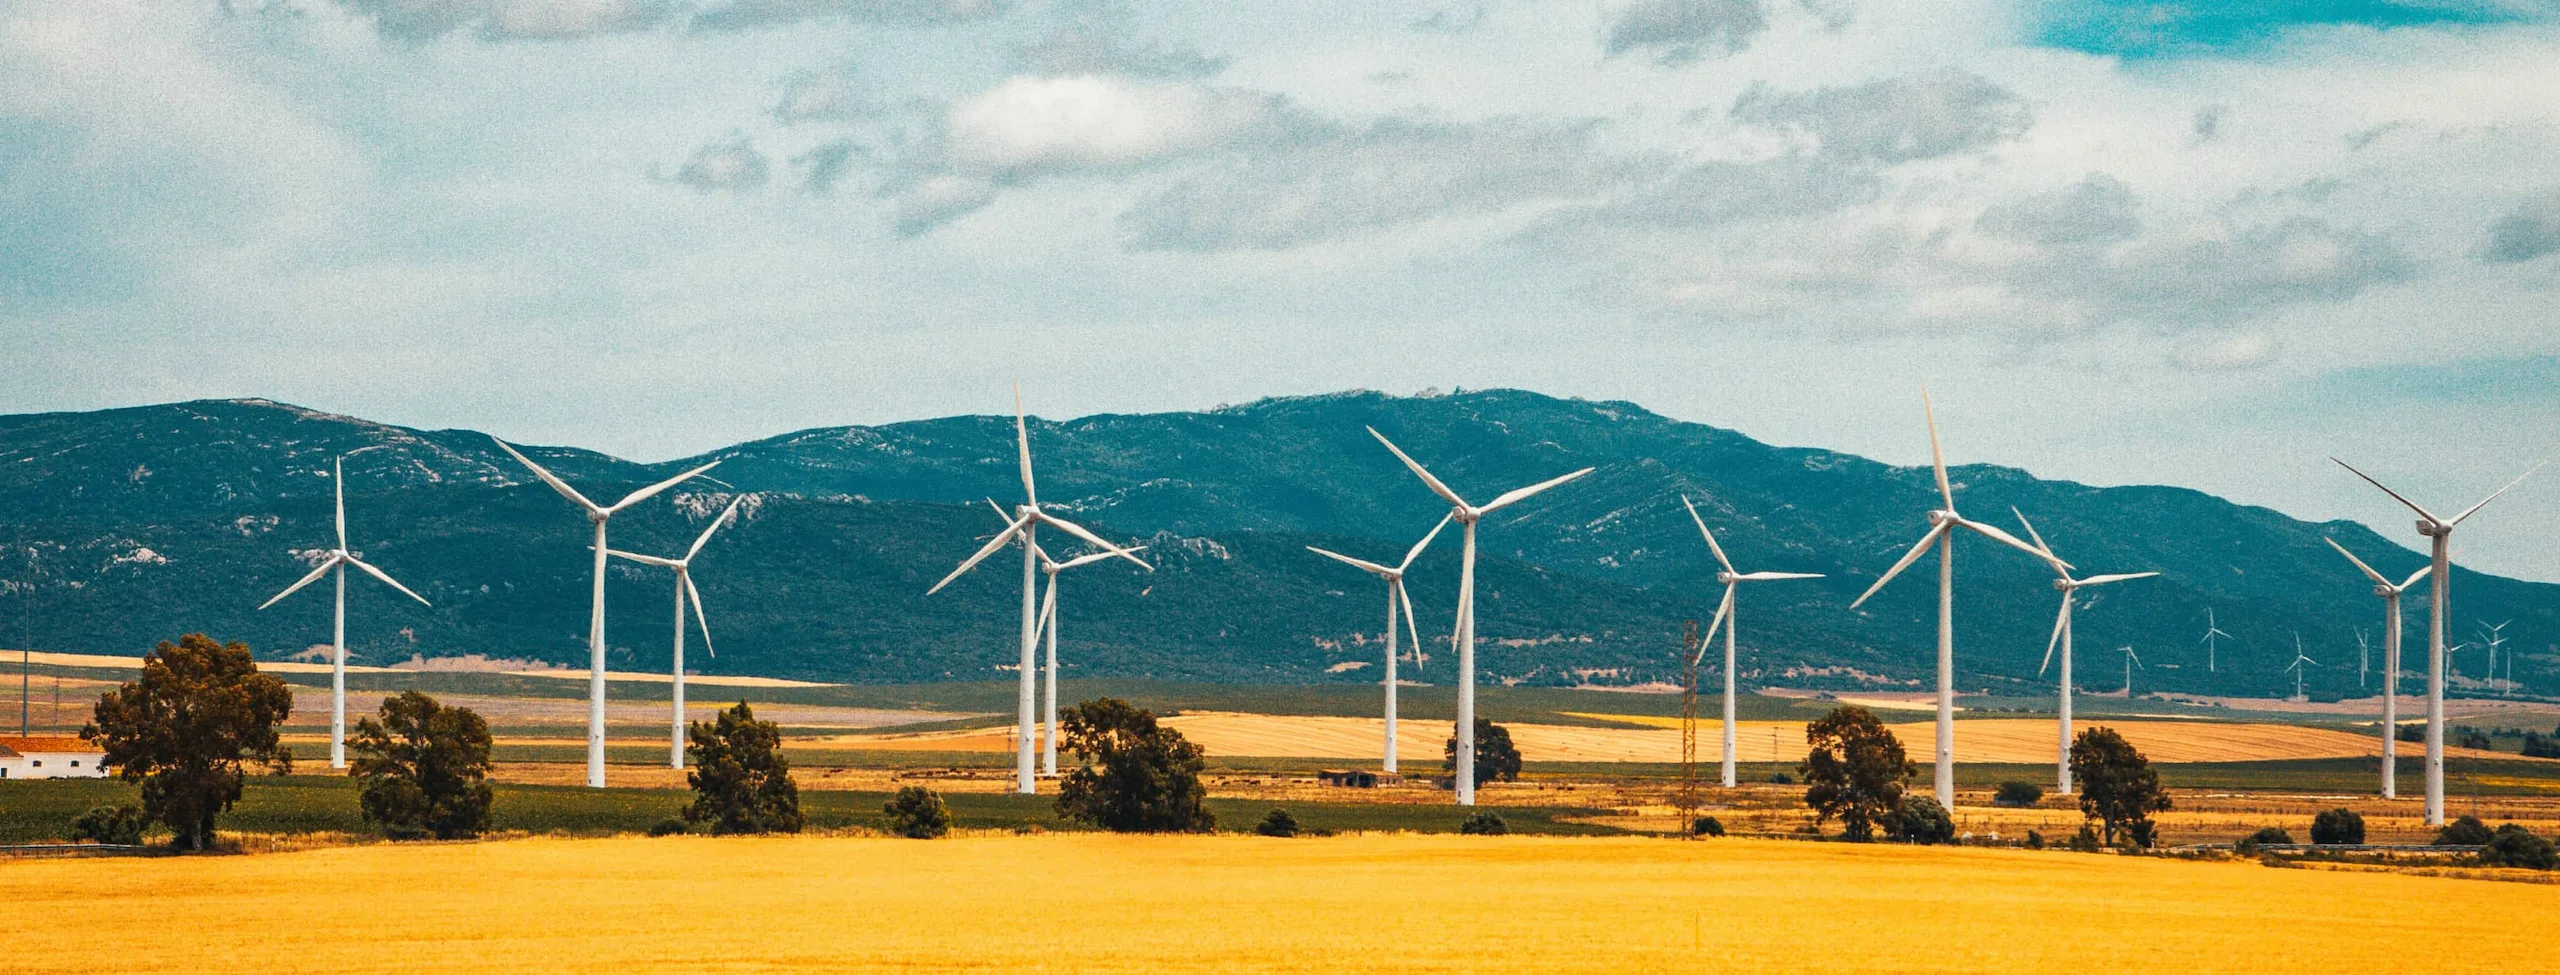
[(2465, 831), (1497, 760), (1706, 826), (917, 813), (183, 730), (1483, 823), (2248, 845), (2014, 793), (1853, 771), (2467, 737), (2537, 746), (425, 769), (1919, 819), (2515, 846), (1137, 777), (1277, 822), (2411, 732), (2117, 787), (741, 782), (2338, 827)]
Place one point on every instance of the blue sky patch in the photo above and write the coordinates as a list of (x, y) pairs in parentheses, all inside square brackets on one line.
[(2155, 29)]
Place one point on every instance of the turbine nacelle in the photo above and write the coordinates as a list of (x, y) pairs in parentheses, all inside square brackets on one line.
[(1943, 517), (2385, 592), (1727, 578), (2431, 529), (2065, 585)]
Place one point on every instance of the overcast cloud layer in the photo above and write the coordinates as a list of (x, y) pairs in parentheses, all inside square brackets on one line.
[(2125, 242)]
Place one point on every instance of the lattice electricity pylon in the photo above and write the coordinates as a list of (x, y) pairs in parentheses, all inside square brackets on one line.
[(1687, 800)]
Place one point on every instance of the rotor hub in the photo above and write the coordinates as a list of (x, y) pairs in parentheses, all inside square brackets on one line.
[(1940, 518), (1727, 578), (2065, 585), (2431, 529), (2384, 591)]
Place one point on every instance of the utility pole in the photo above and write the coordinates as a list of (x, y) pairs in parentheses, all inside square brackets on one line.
[(1687, 800), (24, 667)]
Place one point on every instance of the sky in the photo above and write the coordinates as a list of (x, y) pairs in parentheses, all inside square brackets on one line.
[(2206, 244)]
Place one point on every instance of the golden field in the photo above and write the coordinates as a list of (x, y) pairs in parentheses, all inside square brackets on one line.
[(1083, 902)]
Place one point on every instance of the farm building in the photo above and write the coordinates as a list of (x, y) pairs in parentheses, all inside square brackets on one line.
[(1358, 778), (50, 757)]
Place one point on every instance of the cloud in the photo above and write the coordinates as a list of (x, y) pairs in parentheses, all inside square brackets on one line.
[(1896, 119), (2096, 210), (1448, 20), (1031, 124), (937, 200), (2530, 231), (2229, 274), (1834, 14), (2207, 126), (835, 94), (733, 165), (747, 14), (822, 166), (2227, 353), (1685, 30), (1092, 37), (1719, 192), (421, 20)]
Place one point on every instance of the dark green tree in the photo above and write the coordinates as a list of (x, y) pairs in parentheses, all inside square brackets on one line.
[(183, 730), (1853, 771), (2015, 793), (2337, 827), (1919, 819), (425, 769), (1277, 822), (917, 813), (2465, 831), (1137, 776), (1483, 822), (114, 825), (741, 781), (1706, 826), (2514, 846), (2118, 788), (1497, 760), (2248, 845)]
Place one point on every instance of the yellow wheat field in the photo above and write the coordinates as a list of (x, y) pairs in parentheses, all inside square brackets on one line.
[(1090, 903)]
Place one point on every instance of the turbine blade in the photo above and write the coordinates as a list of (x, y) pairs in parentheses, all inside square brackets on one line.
[(548, 478), (1774, 576), (643, 559), (2484, 502), (1428, 480), (1048, 608), (1994, 533), (2351, 557), (1002, 539), (2423, 572), (2395, 495), (705, 538), (1409, 628), (340, 482), (386, 579), (646, 493), (1907, 558), (694, 596), (1416, 551), (2031, 529), (1522, 494), (1089, 537), (1937, 457), (325, 565), (1711, 536), (1365, 566), (1022, 440), (2061, 622), (1090, 558), (2117, 577), (1724, 609)]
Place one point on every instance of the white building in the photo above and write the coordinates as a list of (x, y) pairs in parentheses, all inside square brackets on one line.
[(50, 757)]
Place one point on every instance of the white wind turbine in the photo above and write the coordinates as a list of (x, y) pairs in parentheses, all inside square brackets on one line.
[(1024, 527), (2131, 660), (1467, 515), (2295, 667), (2364, 659), (2211, 633), (1394, 577), (1049, 629), (685, 593), (2062, 639), (2439, 532), (2390, 594), (1942, 526), (338, 560), (598, 514), (1725, 618), (2494, 637)]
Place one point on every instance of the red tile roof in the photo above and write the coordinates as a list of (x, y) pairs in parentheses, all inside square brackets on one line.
[(48, 743)]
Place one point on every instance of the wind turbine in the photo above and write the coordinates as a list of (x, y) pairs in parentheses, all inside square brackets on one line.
[(2295, 667), (1024, 527), (1395, 595), (2364, 659), (2439, 532), (2390, 594), (2061, 638), (1049, 627), (338, 560), (1725, 618), (685, 593), (1942, 525), (598, 514), (2211, 632), (2131, 660), (2496, 638), (1467, 515)]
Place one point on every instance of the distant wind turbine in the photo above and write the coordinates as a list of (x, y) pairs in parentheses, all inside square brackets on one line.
[(1942, 525), (2131, 660), (685, 593), (1465, 637), (2390, 593), (2495, 637), (2211, 634), (1725, 618), (2061, 638), (2439, 532), (598, 514), (337, 560), (1024, 528), (1049, 631), (2295, 667), (1395, 595)]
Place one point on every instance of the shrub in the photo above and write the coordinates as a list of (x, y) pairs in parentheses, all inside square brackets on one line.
[(183, 729), (1780, 777), (1706, 826), (2337, 827), (1483, 824), (741, 782), (1138, 776), (2035, 840), (2537, 746), (2515, 846), (2411, 732), (112, 825), (2470, 738), (2014, 793), (1497, 759), (1277, 822), (917, 813), (1921, 820), (2248, 845), (1853, 770), (2085, 841), (2466, 831), (670, 826), (425, 769)]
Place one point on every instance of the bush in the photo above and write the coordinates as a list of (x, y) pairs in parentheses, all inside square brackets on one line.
[(425, 769), (2515, 846), (2470, 738), (2248, 845), (112, 825), (2412, 732), (2537, 746), (2014, 793), (2337, 827), (1921, 820), (1706, 826), (1277, 822), (2466, 831), (917, 813), (1138, 777), (670, 826), (741, 782), (1483, 824), (2084, 841), (1781, 778), (1497, 759), (2035, 840)]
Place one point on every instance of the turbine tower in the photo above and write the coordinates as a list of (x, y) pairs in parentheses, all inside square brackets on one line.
[(2390, 594), (1395, 595), (337, 560), (2062, 638), (1465, 637), (1025, 527), (685, 593), (1726, 619), (2439, 532), (2131, 660), (2295, 667), (598, 514), (1942, 525), (1049, 629), (2495, 637), (2211, 634)]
